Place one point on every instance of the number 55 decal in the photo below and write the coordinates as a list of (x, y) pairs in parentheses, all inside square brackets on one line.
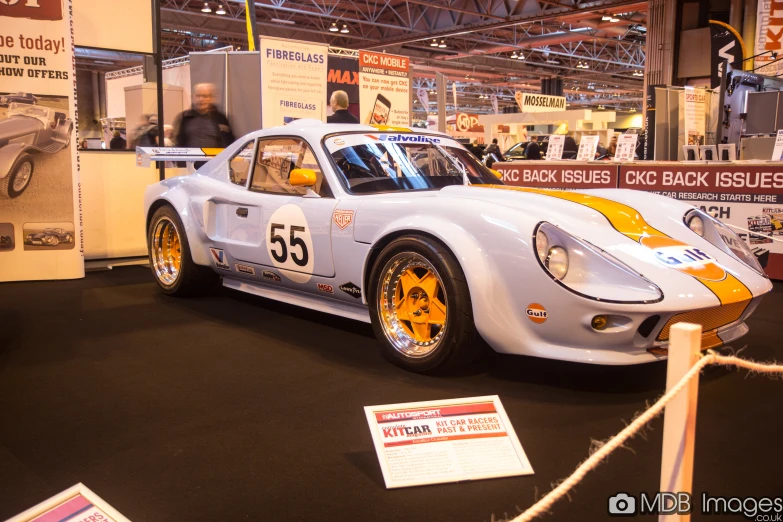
[(282, 257), (290, 244)]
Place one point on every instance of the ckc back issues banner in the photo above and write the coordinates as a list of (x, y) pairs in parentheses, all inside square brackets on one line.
[(40, 207), (445, 441)]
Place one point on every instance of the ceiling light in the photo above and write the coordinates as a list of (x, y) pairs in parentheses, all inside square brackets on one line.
[(614, 19), (606, 18), (281, 21), (434, 43), (220, 10), (585, 66), (521, 56), (333, 28), (514, 55), (344, 30), (206, 8), (103, 62), (442, 44)]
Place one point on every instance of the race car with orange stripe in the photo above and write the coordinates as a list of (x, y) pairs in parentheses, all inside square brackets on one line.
[(409, 232)]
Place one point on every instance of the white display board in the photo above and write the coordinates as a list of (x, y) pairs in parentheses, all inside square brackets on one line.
[(554, 149), (384, 89), (777, 152), (587, 147), (293, 81), (40, 217), (452, 440), (626, 148), (693, 111)]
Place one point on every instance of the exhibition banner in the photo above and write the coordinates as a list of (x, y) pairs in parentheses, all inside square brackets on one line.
[(565, 175), (692, 111), (726, 47), (293, 81), (384, 89), (749, 198), (465, 122), (777, 151), (40, 204), (343, 75), (769, 37), (555, 146), (531, 102), (587, 147), (454, 440)]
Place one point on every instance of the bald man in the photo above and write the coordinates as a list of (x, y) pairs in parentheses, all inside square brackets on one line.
[(339, 102), (203, 125)]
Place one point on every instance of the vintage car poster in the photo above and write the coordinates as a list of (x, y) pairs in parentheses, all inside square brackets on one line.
[(40, 229), (293, 81), (384, 89), (453, 440)]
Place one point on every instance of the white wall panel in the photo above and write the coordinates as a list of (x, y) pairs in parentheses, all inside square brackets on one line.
[(113, 24)]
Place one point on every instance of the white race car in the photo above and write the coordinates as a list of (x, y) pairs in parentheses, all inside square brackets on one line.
[(408, 231)]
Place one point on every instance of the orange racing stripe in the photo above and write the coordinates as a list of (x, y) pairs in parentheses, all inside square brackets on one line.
[(629, 222)]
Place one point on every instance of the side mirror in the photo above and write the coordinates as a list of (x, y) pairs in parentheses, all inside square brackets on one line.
[(497, 174), (302, 178)]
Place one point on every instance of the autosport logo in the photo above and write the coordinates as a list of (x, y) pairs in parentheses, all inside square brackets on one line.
[(409, 138), (684, 258)]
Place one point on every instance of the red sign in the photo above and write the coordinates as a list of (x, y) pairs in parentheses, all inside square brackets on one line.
[(549, 175), (368, 60), (33, 9), (468, 123)]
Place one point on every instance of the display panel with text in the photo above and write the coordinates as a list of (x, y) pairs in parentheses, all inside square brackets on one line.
[(384, 89)]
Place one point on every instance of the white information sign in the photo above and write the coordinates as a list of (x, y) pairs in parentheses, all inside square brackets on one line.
[(293, 81), (76, 504), (445, 441), (554, 149), (626, 147), (587, 147), (777, 152)]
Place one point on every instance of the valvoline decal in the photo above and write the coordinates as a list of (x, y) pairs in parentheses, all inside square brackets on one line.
[(409, 138)]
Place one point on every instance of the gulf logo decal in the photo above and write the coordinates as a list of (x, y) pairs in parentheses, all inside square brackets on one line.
[(536, 313), (684, 258)]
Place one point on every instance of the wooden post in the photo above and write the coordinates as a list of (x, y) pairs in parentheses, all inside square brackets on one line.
[(679, 421)]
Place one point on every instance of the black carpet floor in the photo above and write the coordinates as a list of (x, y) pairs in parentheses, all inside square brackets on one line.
[(231, 407)]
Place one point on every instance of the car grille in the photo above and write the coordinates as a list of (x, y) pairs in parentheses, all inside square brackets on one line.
[(708, 318)]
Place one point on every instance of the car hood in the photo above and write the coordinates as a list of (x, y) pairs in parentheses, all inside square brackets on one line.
[(632, 226), (16, 125)]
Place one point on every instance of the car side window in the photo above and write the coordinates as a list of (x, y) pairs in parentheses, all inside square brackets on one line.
[(239, 165), (275, 160)]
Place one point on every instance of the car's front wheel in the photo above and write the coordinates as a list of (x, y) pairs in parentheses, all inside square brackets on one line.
[(170, 259), (420, 306), (18, 178)]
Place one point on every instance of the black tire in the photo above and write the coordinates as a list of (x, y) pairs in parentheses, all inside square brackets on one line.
[(192, 279), (460, 344), (7, 183)]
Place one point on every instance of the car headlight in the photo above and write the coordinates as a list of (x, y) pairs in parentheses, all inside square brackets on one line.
[(722, 237), (696, 224), (588, 271)]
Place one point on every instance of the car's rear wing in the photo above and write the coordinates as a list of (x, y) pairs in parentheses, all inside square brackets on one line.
[(145, 155)]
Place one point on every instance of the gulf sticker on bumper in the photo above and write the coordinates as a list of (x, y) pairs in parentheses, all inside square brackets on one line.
[(680, 256)]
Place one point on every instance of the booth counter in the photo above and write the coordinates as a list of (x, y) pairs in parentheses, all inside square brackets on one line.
[(748, 196)]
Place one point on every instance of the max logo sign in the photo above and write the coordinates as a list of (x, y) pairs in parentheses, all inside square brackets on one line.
[(33, 9), (338, 76)]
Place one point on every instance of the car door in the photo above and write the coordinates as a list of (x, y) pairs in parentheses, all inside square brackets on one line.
[(277, 225)]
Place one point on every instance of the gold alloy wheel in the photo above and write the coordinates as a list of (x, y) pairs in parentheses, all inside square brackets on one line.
[(165, 248), (412, 305)]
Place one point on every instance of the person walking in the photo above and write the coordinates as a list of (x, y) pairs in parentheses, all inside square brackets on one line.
[(203, 125), (339, 103), (533, 149)]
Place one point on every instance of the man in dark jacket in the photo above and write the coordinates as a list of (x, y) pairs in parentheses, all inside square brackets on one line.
[(533, 150), (203, 125), (339, 102), (117, 142)]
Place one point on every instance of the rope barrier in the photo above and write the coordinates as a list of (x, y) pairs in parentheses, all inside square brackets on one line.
[(546, 502)]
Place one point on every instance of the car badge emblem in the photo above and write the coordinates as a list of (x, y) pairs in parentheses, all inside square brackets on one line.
[(343, 218)]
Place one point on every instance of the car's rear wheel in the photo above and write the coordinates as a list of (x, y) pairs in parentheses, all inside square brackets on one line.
[(54, 240), (18, 178), (170, 259), (420, 306)]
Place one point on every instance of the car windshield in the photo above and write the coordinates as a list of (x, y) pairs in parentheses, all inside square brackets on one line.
[(371, 163)]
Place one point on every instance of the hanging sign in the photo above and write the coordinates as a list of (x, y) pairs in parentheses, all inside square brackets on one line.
[(626, 147), (468, 123), (40, 203), (293, 81), (726, 47), (445, 441), (424, 97), (530, 102), (494, 99), (384, 89), (769, 38), (587, 147), (555, 146)]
